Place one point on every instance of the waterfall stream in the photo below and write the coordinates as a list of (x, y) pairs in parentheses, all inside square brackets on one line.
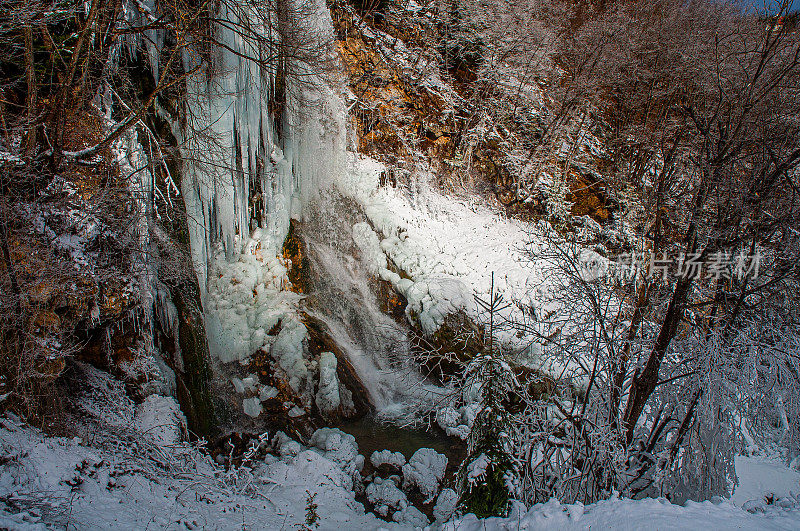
[(374, 343)]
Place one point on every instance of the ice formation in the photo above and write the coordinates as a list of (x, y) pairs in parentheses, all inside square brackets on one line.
[(252, 406), (243, 182), (477, 468), (328, 399)]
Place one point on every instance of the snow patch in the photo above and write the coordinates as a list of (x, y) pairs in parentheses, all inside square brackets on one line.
[(160, 419)]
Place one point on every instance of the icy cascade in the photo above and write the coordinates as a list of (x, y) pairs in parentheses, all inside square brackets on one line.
[(242, 180), (263, 134), (261, 138), (341, 295), (376, 346)]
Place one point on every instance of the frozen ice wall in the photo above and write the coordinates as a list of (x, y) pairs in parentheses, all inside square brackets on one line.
[(242, 179), (263, 134)]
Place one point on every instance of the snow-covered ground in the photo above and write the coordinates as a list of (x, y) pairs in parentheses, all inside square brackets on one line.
[(132, 471), (130, 468), (628, 514), (50, 482)]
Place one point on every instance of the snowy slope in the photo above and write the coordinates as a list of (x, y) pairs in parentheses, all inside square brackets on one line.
[(449, 247), (760, 477), (66, 482)]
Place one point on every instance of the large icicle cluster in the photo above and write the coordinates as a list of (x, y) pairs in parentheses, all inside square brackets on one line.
[(243, 182)]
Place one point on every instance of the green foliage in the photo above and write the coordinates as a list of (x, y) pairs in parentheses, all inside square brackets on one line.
[(489, 494)]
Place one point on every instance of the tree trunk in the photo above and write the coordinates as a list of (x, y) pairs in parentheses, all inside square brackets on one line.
[(645, 380), (31, 98)]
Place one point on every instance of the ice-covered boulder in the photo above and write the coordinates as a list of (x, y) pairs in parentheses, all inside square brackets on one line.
[(339, 447), (252, 407), (387, 458), (412, 517), (267, 392), (445, 505), (435, 298), (160, 419), (384, 492), (425, 470), (328, 398)]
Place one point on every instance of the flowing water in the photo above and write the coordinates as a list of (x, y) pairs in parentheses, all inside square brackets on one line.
[(342, 297)]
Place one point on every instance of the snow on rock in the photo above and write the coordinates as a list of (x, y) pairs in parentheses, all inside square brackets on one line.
[(445, 506), (387, 458), (339, 447), (160, 419), (425, 470), (448, 417), (328, 398), (252, 406), (114, 485), (412, 517), (22, 521), (296, 411), (243, 385), (384, 492)]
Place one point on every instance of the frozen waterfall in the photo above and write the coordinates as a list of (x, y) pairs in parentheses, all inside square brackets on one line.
[(264, 135)]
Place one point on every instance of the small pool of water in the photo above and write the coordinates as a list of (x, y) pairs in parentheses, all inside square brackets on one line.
[(373, 435)]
